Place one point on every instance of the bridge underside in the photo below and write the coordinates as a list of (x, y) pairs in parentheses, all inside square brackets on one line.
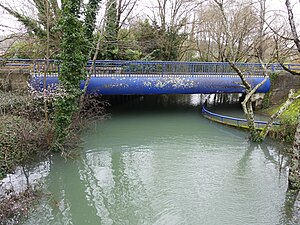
[(155, 84)]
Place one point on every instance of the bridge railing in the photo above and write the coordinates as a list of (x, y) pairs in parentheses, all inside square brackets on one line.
[(171, 68), (36, 66), (233, 121), (147, 68)]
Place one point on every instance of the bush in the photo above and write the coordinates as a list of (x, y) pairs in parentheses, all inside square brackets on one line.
[(16, 206), (286, 131), (20, 139)]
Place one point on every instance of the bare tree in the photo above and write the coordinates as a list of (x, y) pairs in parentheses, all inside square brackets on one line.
[(125, 9), (173, 18), (294, 172), (242, 22), (233, 49), (261, 31), (288, 48)]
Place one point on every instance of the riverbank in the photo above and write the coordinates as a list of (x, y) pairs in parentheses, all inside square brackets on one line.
[(281, 83), (23, 131), (289, 119), (27, 137), (24, 138)]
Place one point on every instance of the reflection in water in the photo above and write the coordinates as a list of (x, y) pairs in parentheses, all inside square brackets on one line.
[(115, 184), (160, 162), (25, 176), (291, 209)]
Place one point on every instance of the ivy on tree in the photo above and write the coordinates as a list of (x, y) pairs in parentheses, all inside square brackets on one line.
[(74, 55)]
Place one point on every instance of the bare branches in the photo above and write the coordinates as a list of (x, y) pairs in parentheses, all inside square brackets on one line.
[(9, 37), (30, 24), (241, 75), (293, 72), (124, 6), (292, 24)]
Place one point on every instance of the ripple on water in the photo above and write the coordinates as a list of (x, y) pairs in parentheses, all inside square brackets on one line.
[(168, 169)]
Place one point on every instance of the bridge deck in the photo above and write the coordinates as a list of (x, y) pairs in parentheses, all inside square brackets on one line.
[(154, 77)]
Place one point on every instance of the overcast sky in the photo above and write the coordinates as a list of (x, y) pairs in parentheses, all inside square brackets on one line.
[(13, 25)]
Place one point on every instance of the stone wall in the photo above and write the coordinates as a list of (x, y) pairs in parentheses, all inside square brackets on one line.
[(14, 79), (281, 86)]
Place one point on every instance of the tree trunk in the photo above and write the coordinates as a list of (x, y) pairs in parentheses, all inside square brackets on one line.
[(248, 111)]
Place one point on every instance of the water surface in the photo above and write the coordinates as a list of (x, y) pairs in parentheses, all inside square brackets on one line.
[(158, 161)]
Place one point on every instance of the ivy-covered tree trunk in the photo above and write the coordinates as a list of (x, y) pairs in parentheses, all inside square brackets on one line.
[(75, 50), (72, 67)]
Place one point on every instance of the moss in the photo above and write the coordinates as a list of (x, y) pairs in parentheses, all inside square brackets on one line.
[(288, 121), (266, 101), (274, 77)]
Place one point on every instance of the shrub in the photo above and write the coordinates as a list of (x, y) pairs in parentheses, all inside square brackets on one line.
[(20, 139)]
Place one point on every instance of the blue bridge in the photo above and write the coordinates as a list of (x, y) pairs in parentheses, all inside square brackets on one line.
[(111, 77)]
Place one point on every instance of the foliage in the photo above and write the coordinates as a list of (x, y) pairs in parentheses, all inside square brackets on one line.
[(292, 112), (26, 49), (266, 100), (157, 43), (20, 138), (74, 55), (288, 121), (286, 131), (142, 40), (111, 30), (90, 18), (36, 26), (25, 104), (132, 54), (22, 129), (10, 102), (274, 77)]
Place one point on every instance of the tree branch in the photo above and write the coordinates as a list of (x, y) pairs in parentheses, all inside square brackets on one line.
[(30, 24), (292, 24)]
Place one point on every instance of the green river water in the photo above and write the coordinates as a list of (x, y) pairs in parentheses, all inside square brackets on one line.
[(158, 161)]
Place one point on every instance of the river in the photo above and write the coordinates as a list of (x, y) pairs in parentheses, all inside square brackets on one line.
[(156, 160)]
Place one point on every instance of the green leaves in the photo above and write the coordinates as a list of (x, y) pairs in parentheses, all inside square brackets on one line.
[(74, 56)]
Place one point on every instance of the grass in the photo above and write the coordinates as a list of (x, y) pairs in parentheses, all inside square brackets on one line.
[(291, 113), (288, 120)]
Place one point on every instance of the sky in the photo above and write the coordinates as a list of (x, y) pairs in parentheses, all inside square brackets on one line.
[(8, 24)]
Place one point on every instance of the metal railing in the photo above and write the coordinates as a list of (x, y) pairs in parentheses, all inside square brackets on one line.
[(233, 121), (146, 68), (35, 66)]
